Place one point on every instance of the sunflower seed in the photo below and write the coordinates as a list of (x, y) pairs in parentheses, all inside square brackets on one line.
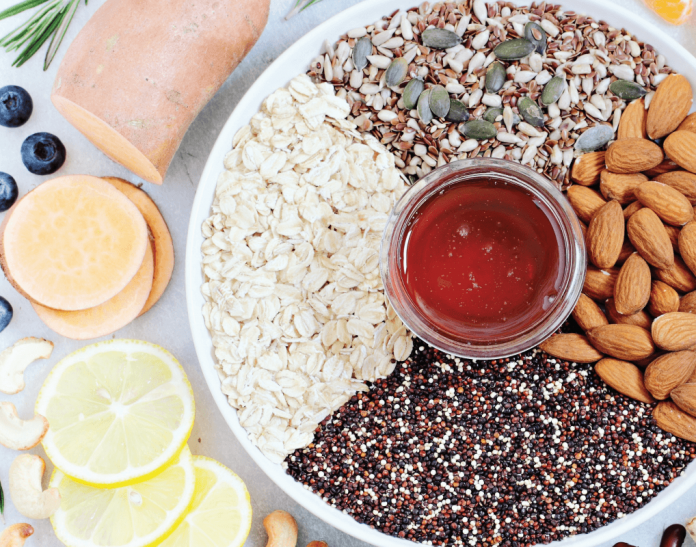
[(424, 112), (439, 101), (495, 77), (412, 91), (627, 90), (396, 72), (361, 50), (531, 112), (594, 138), (513, 50), (478, 129), (536, 35), (553, 90), (480, 40), (440, 38)]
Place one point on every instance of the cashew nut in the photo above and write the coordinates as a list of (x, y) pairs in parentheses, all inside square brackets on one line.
[(14, 536), (15, 359), (318, 544), (281, 529), (18, 434), (691, 528), (26, 491)]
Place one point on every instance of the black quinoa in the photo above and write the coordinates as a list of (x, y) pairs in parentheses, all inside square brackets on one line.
[(513, 452)]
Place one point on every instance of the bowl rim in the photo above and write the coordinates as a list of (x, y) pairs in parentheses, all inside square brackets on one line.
[(279, 73)]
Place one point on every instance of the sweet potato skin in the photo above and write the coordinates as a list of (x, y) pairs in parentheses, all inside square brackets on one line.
[(146, 69)]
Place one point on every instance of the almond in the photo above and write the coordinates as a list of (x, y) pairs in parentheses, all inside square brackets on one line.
[(633, 121), (648, 236), (680, 146), (678, 276), (669, 106), (687, 245), (689, 123), (587, 168), (632, 208), (675, 331), (684, 396), (666, 166), (675, 421), (633, 156), (588, 314), (640, 319), (571, 347), (669, 204), (683, 181), (605, 235), (585, 202), (668, 371), (626, 342), (583, 229), (643, 363), (632, 289), (624, 377), (620, 187), (673, 235), (663, 299), (687, 304), (599, 284), (627, 249)]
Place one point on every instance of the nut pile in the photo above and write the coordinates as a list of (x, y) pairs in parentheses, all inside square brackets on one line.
[(645, 282), (450, 81)]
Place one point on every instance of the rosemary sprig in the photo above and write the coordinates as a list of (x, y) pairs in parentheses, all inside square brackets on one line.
[(2, 504), (53, 19), (300, 5)]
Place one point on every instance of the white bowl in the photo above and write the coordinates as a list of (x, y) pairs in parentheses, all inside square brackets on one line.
[(291, 63)]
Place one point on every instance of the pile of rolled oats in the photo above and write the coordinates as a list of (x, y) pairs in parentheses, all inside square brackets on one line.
[(294, 298)]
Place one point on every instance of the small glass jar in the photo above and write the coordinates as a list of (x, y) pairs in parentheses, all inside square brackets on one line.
[(571, 253)]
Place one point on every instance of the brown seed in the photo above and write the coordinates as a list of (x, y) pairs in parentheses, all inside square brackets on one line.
[(678, 276), (640, 319), (599, 284), (663, 299), (675, 421), (633, 119), (648, 236), (669, 106), (605, 235), (633, 155), (684, 396), (675, 331), (624, 377), (585, 202), (687, 304), (683, 181), (620, 186), (668, 371), (632, 289), (687, 245), (680, 146), (632, 208), (669, 204), (587, 168), (571, 347), (626, 342), (588, 314)]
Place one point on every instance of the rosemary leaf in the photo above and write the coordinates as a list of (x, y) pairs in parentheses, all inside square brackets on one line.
[(19, 8), (37, 25), (300, 5), (60, 32), (2, 503), (38, 42), (26, 27)]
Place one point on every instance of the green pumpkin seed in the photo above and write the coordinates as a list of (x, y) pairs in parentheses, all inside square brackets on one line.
[(361, 50), (594, 138), (495, 77), (531, 112), (396, 72), (440, 38), (439, 101), (627, 90), (492, 113), (513, 50), (536, 35), (478, 129), (457, 112), (412, 91), (553, 90), (424, 112)]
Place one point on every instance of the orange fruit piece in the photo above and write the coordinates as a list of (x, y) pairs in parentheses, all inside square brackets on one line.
[(672, 11)]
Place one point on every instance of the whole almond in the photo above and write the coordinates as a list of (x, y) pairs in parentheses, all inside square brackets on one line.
[(583, 229), (669, 106), (678, 276), (672, 419), (666, 166), (669, 204), (588, 314), (585, 201), (599, 284), (689, 123), (668, 371), (682, 181), (680, 146), (648, 236), (684, 396), (633, 121), (687, 245), (605, 235), (675, 331), (633, 156), (640, 319), (632, 208), (663, 299), (587, 168), (571, 347), (626, 342), (643, 363), (627, 249), (632, 289), (673, 235), (687, 304), (624, 377), (620, 187)]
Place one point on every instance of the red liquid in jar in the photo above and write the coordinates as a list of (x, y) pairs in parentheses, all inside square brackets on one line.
[(482, 260)]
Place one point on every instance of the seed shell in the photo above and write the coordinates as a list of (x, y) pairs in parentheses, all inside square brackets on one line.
[(531, 112), (424, 112), (513, 50), (440, 38), (536, 35), (626, 90), (396, 72), (492, 113), (412, 91), (439, 101), (478, 129), (361, 50), (594, 138), (495, 77), (457, 112), (553, 90)]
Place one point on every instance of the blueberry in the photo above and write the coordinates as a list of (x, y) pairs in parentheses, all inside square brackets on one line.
[(15, 106), (43, 153), (8, 191), (5, 313)]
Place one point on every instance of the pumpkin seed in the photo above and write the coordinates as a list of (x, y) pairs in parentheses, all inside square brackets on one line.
[(440, 38), (439, 101), (513, 50), (531, 112), (627, 90), (536, 35), (492, 113), (361, 50), (495, 77), (478, 129), (457, 112), (412, 91), (396, 72), (553, 90), (594, 138), (424, 112)]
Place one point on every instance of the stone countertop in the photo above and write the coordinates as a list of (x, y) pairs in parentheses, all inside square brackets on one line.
[(167, 323)]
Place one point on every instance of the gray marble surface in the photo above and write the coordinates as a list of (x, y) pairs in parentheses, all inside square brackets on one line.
[(167, 323)]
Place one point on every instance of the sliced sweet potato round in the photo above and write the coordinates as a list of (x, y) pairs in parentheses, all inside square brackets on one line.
[(108, 317), (73, 243), (164, 246)]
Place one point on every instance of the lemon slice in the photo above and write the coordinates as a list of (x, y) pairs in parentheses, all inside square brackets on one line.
[(220, 512), (134, 516), (119, 412)]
